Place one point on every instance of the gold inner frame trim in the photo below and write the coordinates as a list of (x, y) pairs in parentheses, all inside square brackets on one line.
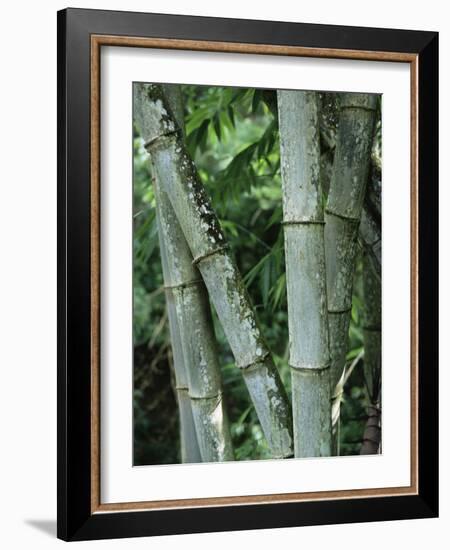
[(97, 41)]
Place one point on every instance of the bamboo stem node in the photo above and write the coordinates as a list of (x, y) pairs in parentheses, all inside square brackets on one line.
[(256, 362), (349, 219), (310, 368), (339, 311), (183, 285), (196, 398), (303, 222), (150, 144), (357, 107), (202, 257)]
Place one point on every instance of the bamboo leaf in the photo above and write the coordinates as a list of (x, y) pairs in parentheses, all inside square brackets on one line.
[(231, 115), (276, 217), (278, 291), (257, 97), (202, 134), (265, 281), (196, 119), (254, 272), (225, 120), (217, 127)]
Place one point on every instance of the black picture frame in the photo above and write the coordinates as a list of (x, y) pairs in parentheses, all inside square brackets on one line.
[(76, 521)]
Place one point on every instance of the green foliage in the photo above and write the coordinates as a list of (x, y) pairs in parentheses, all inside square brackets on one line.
[(232, 134)]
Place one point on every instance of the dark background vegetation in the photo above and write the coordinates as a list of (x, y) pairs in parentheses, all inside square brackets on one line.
[(233, 136)]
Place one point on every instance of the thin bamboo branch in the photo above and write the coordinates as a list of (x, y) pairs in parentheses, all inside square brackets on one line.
[(179, 179), (342, 217), (191, 320), (305, 272)]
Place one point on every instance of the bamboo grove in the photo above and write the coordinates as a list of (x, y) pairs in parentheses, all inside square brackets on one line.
[(319, 157)]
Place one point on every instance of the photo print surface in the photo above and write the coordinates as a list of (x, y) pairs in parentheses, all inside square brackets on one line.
[(256, 274)]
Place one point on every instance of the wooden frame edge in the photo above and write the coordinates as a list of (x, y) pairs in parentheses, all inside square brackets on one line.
[(95, 273), (253, 499), (414, 220), (237, 47), (231, 47)]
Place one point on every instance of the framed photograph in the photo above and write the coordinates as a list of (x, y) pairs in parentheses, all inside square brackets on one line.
[(247, 255)]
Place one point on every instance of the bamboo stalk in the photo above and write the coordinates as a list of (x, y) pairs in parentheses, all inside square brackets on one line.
[(190, 451), (370, 234), (191, 321), (305, 272), (370, 227), (372, 357), (191, 313), (342, 217), (179, 179)]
